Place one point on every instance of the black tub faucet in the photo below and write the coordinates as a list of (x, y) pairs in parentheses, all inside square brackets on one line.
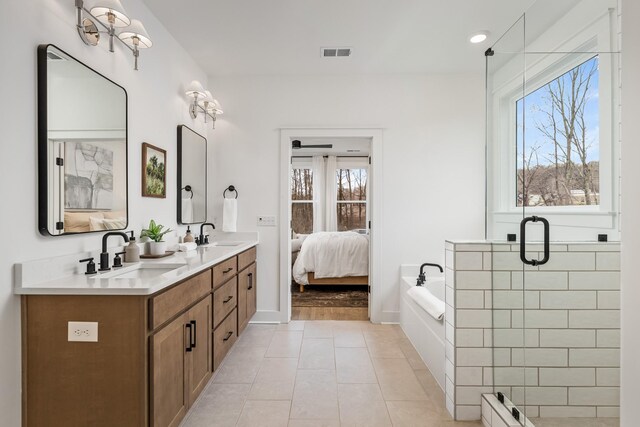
[(104, 255), (201, 238), (422, 277)]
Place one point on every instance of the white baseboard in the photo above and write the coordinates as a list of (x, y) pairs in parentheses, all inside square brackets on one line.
[(390, 317), (266, 316)]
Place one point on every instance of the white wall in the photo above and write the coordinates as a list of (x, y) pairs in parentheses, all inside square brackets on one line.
[(156, 107), (630, 374), (433, 159)]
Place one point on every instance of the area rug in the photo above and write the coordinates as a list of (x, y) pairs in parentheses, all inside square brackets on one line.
[(329, 296)]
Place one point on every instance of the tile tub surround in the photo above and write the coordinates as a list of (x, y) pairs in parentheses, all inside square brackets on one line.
[(64, 275), (322, 373), (567, 336)]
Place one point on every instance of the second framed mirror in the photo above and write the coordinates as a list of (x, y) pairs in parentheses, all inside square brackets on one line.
[(192, 176)]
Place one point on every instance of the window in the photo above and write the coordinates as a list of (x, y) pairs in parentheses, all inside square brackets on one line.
[(558, 145), (352, 199), (302, 200)]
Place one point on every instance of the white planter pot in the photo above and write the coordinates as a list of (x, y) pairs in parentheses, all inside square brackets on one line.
[(157, 248)]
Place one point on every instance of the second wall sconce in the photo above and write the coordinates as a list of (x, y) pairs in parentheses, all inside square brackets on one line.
[(111, 15), (203, 101)]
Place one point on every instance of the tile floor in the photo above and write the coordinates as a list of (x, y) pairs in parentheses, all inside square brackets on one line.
[(322, 373)]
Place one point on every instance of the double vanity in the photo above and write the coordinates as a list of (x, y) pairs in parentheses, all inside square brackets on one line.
[(163, 328)]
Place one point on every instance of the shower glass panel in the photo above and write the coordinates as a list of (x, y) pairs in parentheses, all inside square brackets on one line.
[(552, 181)]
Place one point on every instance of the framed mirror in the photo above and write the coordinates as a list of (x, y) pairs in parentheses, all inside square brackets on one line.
[(82, 147), (192, 176)]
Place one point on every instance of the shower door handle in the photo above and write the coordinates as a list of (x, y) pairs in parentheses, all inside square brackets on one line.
[(523, 240)]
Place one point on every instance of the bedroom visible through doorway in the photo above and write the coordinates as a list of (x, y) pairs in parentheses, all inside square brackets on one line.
[(330, 227)]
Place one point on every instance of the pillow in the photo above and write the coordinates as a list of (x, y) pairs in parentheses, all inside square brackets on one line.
[(115, 214), (296, 244), (114, 224), (78, 222), (302, 237), (96, 223)]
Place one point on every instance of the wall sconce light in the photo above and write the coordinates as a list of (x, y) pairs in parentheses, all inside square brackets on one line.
[(203, 101), (111, 15)]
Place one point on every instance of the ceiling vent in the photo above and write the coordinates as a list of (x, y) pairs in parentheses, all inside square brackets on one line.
[(335, 52)]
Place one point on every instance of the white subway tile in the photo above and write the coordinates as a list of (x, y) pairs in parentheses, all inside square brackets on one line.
[(486, 261), (597, 319), (567, 411), (450, 370), (449, 332), (511, 261), (470, 395), (517, 318), (595, 280), (532, 299), (451, 408), (609, 300), (488, 299), (473, 279), (597, 247), (608, 412), (501, 247), (568, 299), (469, 337), (542, 280), (486, 411), (449, 260), (501, 318), (567, 377), (608, 377), (473, 318), (449, 277), (539, 357), (449, 246), (608, 261), (474, 357), (449, 351), (508, 299), (449, 388), (532, 337), (501, 280), (553, 319), (488, 337), (501, 357), (473, 247), (600, 357), (469, 376), (546, 395), (567, 338), (449, 296), (467, 412), (515, 376), (469, 299), (608, 338), (508, 337), (597, 396), (450, 314), (487, 376), (570, 261), (468, 260)]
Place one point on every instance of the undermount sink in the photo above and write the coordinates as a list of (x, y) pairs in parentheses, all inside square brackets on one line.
[(140, 271), (228, 243)]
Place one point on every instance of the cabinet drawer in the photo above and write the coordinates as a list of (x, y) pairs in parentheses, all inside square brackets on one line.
[(166, 305), (224, 336), (224, 271), (225, 299), (246, 258)]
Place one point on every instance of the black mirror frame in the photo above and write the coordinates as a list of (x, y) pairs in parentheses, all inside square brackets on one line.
[(179, 176), (43, 138)]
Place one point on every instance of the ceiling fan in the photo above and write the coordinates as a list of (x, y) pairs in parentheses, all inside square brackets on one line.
[(296, 144)]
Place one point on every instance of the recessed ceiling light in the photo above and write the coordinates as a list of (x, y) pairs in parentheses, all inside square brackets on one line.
[(479, 37)]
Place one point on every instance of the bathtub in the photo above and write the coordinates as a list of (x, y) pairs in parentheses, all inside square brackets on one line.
[(425, 332)]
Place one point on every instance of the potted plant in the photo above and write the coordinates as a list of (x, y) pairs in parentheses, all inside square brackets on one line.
[(155, 232)]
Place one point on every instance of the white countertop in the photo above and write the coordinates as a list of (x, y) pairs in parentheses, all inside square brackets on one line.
[(80, 284)]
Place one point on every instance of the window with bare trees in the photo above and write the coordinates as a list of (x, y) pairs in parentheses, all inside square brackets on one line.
[(302, 200), (352, 199), (558, 146)]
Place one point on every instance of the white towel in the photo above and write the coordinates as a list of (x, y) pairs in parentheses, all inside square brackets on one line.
[(187, 211), (229, 215), (425, 299), (188, 246)]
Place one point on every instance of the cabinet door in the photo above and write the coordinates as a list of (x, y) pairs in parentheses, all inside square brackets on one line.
[(251, 291), (199, 358), (168, 389), (243, 285)]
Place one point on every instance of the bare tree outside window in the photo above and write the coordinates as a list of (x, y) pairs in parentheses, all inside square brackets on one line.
[(558, 150), (302, 200), (352, 199)]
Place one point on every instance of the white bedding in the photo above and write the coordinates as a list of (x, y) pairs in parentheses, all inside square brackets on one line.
[(332, 254)]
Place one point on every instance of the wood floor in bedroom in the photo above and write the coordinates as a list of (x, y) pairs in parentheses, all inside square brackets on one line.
[(329, 313)]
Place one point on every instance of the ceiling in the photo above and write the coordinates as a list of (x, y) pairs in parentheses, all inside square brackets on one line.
[(249, 37)]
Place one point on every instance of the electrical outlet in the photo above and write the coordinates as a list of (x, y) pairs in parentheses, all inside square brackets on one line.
[(266, 221), (82, 331)]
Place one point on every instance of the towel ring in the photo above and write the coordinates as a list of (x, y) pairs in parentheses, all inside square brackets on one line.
[(230, 188), (187, 188)]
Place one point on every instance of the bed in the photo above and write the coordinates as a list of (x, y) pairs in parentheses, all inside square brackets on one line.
[(332, 258)]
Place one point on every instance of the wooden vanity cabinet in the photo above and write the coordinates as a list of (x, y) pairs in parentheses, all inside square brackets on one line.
[(246, 288)]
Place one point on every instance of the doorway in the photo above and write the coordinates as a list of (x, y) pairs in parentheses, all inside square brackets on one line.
[(328, 238)]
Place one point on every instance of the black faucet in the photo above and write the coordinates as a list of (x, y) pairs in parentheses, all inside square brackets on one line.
[(104, 255), (422, 277), (201, 239)]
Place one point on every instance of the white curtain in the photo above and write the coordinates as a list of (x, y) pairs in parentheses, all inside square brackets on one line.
[(331, 195), (318, 171)]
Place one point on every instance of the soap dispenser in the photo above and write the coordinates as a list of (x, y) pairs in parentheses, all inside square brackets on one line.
[(132, 251), (188, 237)]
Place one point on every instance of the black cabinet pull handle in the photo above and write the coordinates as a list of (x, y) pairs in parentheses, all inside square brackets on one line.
[(190, 332), (250, 277), (228, 336), (229, 298), (227, 270), (193, 342), (523, 239)]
